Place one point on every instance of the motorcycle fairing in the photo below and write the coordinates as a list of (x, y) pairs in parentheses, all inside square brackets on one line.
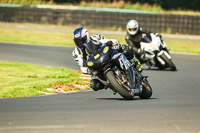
[(99, 58), (123, 62), (153, 44), (105, 55), (125, 65)]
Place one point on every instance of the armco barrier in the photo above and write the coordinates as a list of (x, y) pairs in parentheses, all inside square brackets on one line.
[(184, 24)]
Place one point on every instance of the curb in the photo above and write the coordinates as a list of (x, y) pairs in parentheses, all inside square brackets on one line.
[(60, 88)]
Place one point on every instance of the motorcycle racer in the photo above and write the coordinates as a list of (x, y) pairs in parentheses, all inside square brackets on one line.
[(134, 36), (81, 39)]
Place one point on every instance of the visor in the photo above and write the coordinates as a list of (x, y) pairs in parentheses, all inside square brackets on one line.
[(132, 29), (79, 42)]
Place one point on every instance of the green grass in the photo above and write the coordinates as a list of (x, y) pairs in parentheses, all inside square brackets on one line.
[(66, 39), (183, 46), (36, 37), (20, 79)]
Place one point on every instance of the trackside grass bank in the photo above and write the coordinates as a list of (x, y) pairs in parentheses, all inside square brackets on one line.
[(36, 37), (62, 36), (20, 79), (183, 46)]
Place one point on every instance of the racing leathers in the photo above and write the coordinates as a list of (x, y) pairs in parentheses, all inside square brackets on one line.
[(133, 41)]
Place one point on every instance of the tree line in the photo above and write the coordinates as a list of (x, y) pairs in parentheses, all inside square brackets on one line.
[(165, 4)]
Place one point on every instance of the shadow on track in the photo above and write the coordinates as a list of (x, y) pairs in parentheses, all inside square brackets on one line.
[(157, 69), (122, 99)]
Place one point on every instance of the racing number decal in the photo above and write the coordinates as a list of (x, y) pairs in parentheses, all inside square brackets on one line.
[(124, 63)]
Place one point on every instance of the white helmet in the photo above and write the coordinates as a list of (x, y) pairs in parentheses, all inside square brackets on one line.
[(132, 27)]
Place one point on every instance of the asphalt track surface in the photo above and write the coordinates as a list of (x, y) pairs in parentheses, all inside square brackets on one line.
[(173, 108)]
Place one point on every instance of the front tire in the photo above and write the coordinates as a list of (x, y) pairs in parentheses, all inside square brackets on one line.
[(116, 85), (169, 62), (146, 91)]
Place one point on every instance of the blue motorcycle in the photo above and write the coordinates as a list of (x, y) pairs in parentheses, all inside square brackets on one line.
[(113, 70)]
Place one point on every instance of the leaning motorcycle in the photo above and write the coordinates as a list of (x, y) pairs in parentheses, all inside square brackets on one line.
[(156, 53), (113, 70)]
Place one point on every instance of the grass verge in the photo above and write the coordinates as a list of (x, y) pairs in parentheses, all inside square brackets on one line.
[(20, 79), (183, 46), (66, 39), (36, 37)]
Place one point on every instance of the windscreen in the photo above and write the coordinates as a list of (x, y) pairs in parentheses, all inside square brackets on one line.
[(93, 47), (147, 38)]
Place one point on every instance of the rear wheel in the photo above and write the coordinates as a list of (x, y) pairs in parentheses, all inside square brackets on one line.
[(117, 84)]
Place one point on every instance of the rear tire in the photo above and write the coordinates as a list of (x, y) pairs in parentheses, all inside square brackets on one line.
[(114, 84)]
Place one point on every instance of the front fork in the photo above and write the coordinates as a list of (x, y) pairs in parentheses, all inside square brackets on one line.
[(140, 79), (160, 54)]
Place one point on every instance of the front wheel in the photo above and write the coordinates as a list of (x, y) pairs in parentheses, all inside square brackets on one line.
[(117, 84), (146, 91), (169, 62)]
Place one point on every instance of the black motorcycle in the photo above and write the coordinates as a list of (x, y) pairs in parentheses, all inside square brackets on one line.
[(113, 70)]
